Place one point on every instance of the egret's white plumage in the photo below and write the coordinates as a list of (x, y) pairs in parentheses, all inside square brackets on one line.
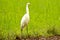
[(24, 21), (25, 18)]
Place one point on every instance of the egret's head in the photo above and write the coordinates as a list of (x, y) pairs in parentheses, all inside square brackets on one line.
[(28, 3)]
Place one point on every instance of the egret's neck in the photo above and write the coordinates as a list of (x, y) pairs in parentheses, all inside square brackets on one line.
[(27, 9)]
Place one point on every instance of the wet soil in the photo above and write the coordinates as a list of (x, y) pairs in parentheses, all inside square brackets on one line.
[(39, 38)]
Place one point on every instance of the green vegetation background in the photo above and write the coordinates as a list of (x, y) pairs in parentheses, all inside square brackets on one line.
[(44, 17)]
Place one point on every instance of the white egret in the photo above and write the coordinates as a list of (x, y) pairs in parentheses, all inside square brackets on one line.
[(25, 19)]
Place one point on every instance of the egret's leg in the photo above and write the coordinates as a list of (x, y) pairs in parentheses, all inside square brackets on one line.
[(27, 31), (21, 33)]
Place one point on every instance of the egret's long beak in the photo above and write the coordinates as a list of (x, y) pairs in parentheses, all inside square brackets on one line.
[(28, 3)]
